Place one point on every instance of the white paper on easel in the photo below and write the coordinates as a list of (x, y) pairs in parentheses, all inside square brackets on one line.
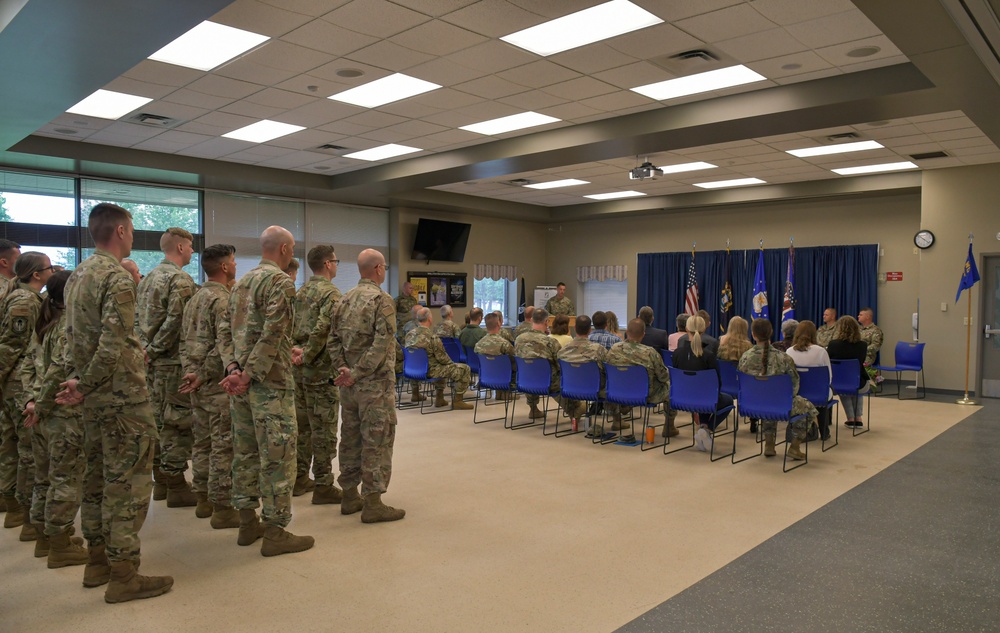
[(542, 294)]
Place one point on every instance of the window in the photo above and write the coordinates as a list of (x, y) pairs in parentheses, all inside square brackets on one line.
[(496, 294), (607, 295)]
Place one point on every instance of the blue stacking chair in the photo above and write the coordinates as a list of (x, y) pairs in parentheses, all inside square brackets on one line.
[(909, 357), (628, 386), (415, 367), (668, 357), (814, 386), (768, 398), (845, 379), (495, 372), (577, 381), (472, 360), (729, 374), (454, 349), (534, 376), (698, 392)]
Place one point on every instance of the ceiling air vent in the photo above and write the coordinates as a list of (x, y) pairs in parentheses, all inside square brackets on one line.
[(846, 136), (331, 148), (517, 182), (153, 120), (696, 55), (692, 61), (927, 155)]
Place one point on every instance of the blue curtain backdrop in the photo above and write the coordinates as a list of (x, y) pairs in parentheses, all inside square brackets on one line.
[(841, 277)]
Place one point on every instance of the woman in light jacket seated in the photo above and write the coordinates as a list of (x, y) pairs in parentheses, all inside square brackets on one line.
[(733, 344), (847, 344), (806, 352), (560, 330), (692, 355)]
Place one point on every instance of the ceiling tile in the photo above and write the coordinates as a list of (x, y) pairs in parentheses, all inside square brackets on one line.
[(81, 122), (538, 74), (280, 98), (874, 62), (417, 128), (225, 120), (329, 38), (385, 54), (285, 55), (224, 87), (308, 140), (592, 58), (174, 111), (77, 134), (258, 17), (197, 127), (245, 70), (792, 11), (375, 17), (653, 41), (445, 99), (121, 130), (965, 142), (215, 148), (633, 75), (490, 87), (435, 8), (314, 8), (293, 160), (763, 45), (252, 110), (140, 88), (580, 88), (570, 111), (163, 74), (410, 109), (384, 135), (951, 135), (453, 136), (197, 99), (375, 119), (493, 18), (532, 100), (725, 23), (937, 116), (311, 85), (680, 9), (156, 144), (615, 101), (980, 159), (317, 113), (834, 29), (437, 38), (493, 56), (790, 65), (837, 54), (552, 9), (800, 77), (443, 72), (329, 73), (259, 153)]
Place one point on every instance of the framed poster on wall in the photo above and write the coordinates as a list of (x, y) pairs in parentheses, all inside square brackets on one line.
[(437, 289)]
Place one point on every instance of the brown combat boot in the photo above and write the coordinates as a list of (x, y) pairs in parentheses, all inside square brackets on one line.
[(98, 569), (127, 585), (375, 511), (204, 508), (179, 493), (795, 450), (3, 504), (41, 543), (351, 502), (250, 528), (324, 495), (224, 517), (63, 552), (439, 400), (415, 395), (535, 413), (303, 484), (28, 532), (769, 445), (458, 402), (16, 514), (669, 430), (278, 541), (159, 485)]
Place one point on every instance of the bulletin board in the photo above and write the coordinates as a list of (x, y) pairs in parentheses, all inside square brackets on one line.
[(436, 289)]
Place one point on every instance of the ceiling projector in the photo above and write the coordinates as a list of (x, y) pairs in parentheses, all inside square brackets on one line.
[(644, 171)]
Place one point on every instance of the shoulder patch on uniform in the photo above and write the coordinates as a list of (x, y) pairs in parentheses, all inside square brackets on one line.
[(388, 310), (125, 296), (19, 324), (184, 290), (20, 311)]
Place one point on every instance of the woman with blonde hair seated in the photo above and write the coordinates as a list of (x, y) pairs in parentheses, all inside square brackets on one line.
[(693, 355), (733, 344), (613, 324)]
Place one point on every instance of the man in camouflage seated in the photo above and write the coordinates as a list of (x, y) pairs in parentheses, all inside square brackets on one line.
[(581, 350), (535, 343), (494, 344), (632, 352), (439, 363)]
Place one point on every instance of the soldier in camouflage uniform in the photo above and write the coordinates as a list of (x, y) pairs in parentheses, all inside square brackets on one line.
[(871, 334), (57, 438), (361, 348), (439, 363), (162, 295), (494, 344), (317, 399), (405, 303), (582, 350), (504, 332), (631, 351), (828, 330), (447, 328), (560, 303), (19, 312), (763, 360), (537, 344), (264, 425), (205, 352), (108, 377), (9, 252)]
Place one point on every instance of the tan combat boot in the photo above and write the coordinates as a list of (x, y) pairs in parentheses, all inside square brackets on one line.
[(769, 445), (439, 400), (535, 413), (179, 493), (98, 569), (204, 508), (303, 484), (63, 552), (375, 511), (3, 504), (159, 485), (224, 517), (324, 495), (415, 395), (250, 528), (351, 502), (278, 541), (16, 514), (41, 542), (28, 532), (670, 430), (795, 450), (127, 585), (458, 402)]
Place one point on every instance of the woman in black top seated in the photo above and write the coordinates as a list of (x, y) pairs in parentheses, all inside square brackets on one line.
[(692, 355), (847, 344)]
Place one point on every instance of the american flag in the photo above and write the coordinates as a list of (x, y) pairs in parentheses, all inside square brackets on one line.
[(691, 296)]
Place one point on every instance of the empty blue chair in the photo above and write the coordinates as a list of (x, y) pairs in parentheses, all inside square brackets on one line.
[(768, 398), (628, 386), (472, 360), (814, 386), (698, 392), (668, 357), (534, 376), (845, 380), (454, 349), (497, 373), (909, 357), (729, 374), (577, 381), (415, 367)]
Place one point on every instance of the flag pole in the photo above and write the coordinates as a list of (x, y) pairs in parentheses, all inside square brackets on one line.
[(968, 344)]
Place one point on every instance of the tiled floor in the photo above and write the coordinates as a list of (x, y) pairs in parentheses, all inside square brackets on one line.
[(512, 531)]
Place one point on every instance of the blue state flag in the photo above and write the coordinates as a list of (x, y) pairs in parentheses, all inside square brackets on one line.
[(970, 275), (760, 310)]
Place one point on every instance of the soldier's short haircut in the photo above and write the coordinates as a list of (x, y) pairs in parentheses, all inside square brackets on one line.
[(870, 312), (104, 220), (540, 315), (170, 237), (582, 325), (682, 320), (446, 311), (6, 246), (475, 314), (28, 264), (528, 310), (492, 321), (646, 314), (318, 256), (213, 256), (423, 315), (293, 266), (636, 329), (599, 320), (560, 284)]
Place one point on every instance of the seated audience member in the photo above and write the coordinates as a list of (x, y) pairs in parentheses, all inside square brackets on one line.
[(600, 333), (613, 324), (560, 330), (468, 319), (871, 334), (710, 342), (787, 334), (675, 338), (692, 355), (504, 332), (293, 269), (847, 344), (524, 326), (581, 350), (493, 344), (447, 328), (655, 337), (733, 345), (472, 333), (537, 344), (806, 352), (439, 363), (632, 352), (412, 323), (826, 331), (763, 360)]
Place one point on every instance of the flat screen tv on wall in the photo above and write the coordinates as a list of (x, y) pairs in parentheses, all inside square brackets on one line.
[(440, 241)]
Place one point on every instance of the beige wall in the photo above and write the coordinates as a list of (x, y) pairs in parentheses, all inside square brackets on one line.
[(955, 202)]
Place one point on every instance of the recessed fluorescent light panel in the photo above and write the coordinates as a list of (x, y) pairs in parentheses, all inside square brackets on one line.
[(553, 184), (614, 195), (509, 123), (738, 182), (583, 27), (702, 82), (385, 90), (107, 104), (382, 152), (840, 148), (870, 169), (676, 169), (208, 45), (263, 131)]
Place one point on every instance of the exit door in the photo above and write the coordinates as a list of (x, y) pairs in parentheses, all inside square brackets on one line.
[(989, 368)]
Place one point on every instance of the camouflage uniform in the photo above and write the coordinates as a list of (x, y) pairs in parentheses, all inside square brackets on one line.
[(162, 294), (317, 399), (57, 441), (118, 426), (555, 306), (264, 425), (206, 352), (439, 363), (872, 336), (536, 344), (361, 333), (20, 311), (825, 334), (404, 311), (629, 353), (447, 329), (522, 327), (581, 350), (779, 363), (507, 334), (496, 345), (7, 286)]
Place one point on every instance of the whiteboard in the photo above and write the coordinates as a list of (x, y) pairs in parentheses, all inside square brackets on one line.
[(542, 294)]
